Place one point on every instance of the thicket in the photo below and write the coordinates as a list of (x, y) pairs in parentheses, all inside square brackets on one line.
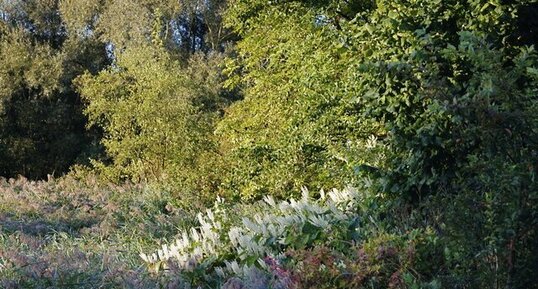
[(428, 107)]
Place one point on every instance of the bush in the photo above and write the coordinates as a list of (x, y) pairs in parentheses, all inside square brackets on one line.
[(157, 115), (308, 243)]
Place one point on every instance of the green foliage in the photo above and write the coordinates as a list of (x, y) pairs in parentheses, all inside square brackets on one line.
[(442, 93), (448, 89), (41, 124), (415, 74), (297, 125), (42, 129), (325, 242), (429, 106), (45, 45), (384, 261), (157, 114)]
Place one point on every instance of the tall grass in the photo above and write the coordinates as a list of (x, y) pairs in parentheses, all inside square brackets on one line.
[(64, 233)]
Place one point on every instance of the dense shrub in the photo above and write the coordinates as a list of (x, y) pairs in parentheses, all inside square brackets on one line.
[(297, 124), (437, 81), (328, 242), (429, 107), (447, 88), (42, 128), (157, 115)]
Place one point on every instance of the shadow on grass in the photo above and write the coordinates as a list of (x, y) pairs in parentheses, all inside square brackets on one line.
[(40, 227)]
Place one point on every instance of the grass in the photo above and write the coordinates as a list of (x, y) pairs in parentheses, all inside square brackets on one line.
[(64, 233)]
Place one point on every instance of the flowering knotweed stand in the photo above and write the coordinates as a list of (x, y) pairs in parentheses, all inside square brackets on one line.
[(264, 234)]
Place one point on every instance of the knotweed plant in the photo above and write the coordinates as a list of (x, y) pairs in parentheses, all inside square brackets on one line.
[(226, 246)]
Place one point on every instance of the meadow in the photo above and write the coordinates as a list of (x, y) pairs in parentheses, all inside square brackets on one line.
[(71, 234)]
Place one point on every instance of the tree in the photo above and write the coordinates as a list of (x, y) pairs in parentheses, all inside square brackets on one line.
[(156, 113), (42, 129), (297, 125), (45, 45), (448, 88)]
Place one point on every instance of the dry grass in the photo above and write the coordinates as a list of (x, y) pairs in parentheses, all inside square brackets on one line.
[(70, 234)]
